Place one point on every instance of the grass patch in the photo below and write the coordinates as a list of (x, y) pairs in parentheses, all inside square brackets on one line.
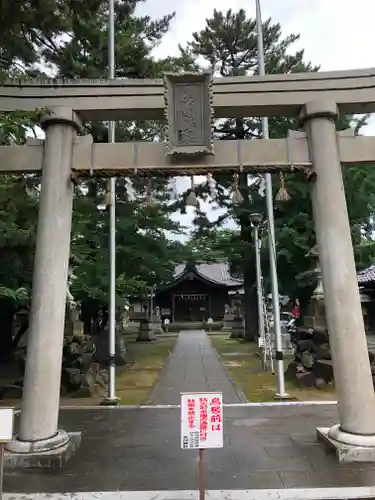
[(245, 368), (135, 383)]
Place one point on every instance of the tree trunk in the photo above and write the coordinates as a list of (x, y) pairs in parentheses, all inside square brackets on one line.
[(104, 318), (304, 299), (250, 295), (86, 317), (250, 291), (89, 316), (7, 312), (251, 314), (22, 330)]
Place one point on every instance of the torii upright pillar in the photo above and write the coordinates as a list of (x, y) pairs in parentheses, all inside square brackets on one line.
[(38, 429), (354, 437)]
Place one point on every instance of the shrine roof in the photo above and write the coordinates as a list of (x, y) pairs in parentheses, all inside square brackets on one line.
[(214, 272), (366, 276)]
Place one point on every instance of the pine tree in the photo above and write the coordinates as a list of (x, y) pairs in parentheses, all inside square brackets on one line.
[(70, 39), (229, 44), (18, 219)]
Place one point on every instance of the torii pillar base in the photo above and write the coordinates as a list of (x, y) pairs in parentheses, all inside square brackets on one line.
[(363, 451), (39, 442), (52, 453), (353, 439)]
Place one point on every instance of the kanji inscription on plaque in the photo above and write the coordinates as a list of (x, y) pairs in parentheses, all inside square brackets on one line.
[(189, 112)]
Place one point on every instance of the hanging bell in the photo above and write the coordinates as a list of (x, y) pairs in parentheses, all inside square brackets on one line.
[(236, 195), (262, 187), (191, 199), (174, 191), (150, 199), (212, 186), (31, 192), (129, 189), (282, 194)]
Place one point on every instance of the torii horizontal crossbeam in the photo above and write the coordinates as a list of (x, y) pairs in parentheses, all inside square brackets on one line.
[(127, 99), (148, 158)]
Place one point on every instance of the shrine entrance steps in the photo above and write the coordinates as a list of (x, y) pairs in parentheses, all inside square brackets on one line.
[(193, 366)]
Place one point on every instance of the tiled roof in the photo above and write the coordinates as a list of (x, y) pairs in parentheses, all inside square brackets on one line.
[(367, 275), (215, 272), (179, 270)]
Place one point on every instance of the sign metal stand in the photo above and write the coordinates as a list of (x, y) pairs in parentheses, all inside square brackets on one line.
[(201, 426), (201, 475)]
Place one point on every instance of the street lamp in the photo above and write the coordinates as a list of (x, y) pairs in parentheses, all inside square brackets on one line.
[(256, 220), (151, 305), (152, 290), (111, 399), (271, 229)]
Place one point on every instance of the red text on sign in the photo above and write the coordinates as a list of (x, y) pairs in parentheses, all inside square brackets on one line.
[(191, 413), (215, 408), (203, 414)]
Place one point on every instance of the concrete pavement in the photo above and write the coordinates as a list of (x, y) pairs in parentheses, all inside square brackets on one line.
[(269, 450), (193, 366)]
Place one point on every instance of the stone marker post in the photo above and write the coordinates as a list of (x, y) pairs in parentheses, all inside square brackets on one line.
[(38, 429), (355, 391)]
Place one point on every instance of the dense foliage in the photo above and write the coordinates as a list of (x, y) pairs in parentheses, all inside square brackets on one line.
[(69, 40), (228, 43)]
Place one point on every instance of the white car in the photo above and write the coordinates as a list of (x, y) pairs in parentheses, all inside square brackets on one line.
[(286, 319)]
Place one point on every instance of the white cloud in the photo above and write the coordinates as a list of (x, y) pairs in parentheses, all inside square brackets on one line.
[(336, 34)]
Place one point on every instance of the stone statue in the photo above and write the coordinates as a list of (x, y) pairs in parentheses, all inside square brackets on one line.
[(70, 308), (316, 317), (157, 324), (227, 319)]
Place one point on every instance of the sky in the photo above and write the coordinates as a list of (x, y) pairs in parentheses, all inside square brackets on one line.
[(336, 34)]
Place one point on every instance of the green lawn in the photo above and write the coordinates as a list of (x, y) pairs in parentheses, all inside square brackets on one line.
[(134, 385), (245, 368), (134, 382)]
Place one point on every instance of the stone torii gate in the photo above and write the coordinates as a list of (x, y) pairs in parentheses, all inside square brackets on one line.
[(188, 102)]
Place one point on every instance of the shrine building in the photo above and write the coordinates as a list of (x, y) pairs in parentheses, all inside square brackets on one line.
[(198, 292)]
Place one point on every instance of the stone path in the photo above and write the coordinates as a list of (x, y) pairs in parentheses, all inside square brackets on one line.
[(193, 366)]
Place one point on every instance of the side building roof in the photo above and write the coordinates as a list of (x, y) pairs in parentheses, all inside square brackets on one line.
[(217, 273), (366, 276)]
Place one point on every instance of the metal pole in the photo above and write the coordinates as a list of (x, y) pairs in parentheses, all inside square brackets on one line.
[(111, 399), (202, 491), (271, 229), (259, 285)]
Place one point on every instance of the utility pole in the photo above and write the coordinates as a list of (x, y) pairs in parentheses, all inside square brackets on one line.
[(111, 399), (271, 230), (256, 220)]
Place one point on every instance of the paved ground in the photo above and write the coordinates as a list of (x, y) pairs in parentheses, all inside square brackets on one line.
[(192, 367), (265, 447), (356, 493)]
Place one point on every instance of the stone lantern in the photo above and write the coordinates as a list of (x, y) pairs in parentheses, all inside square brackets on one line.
[(237, 322)]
